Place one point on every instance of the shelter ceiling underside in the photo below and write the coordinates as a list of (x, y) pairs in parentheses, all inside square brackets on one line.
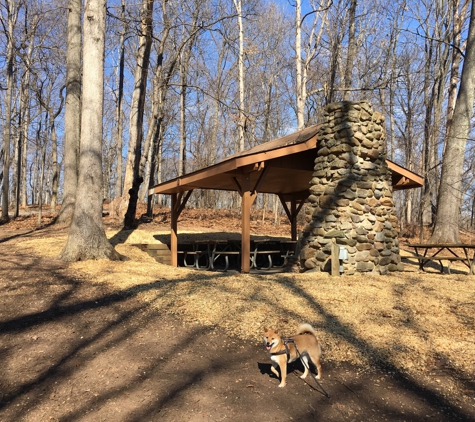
[(280, 176)]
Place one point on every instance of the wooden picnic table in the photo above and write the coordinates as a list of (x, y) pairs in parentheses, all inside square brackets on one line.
[(266, 248), (207, 254), (462, 252), (222, 251), (199, 253)]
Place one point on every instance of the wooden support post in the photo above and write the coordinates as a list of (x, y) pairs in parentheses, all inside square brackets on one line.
[(178, 204), (246, 232), (335, 259), (174, 230), (293, 220), (248, 195)]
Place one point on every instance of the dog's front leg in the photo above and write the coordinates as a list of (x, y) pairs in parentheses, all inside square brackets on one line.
[(273, 368), (283, 372)]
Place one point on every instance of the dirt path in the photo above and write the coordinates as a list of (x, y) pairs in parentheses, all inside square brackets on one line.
[(71, 350)]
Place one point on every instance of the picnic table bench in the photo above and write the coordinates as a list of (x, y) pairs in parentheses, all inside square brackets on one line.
[(221, 254), (224, 249), (450, 252), (199, 251), (267, 248)]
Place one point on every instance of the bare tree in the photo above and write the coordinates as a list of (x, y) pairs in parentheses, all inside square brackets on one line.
[(72, 112), (300, 82), (459, 11), (182, 42), (12, 14), (87, 239), (241, 113), (52, 116), (133, 179), (446, 229), (303, 64), (24, 114), (350, 57), (189, 38), (120, 99), (435, 72)]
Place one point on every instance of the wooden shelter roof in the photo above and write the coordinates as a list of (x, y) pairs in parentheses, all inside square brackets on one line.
[(283, 166)]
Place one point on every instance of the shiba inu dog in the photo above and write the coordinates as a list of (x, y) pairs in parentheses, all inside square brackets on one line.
[(303, 345)]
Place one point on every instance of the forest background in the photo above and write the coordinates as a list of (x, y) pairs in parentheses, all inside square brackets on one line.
[(187, 84)]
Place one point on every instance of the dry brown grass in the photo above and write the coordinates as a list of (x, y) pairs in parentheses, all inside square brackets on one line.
[(412, 321)]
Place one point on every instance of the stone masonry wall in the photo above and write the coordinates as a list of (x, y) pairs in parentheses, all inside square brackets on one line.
[(351, 199)]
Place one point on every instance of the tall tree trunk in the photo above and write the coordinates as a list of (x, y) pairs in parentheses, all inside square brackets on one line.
[(458, 20), (25, 115), (299, 82), (18, 157), (54, 156), (446, 229), (41, 183), (425, 203), (154, 165), (72, 118), (183, 82), (350, 58), (216, 103), (159, 164), (153, 140), (87, 239), (161, 84), (184, 64), (335, 43), (23, 157), (54, 145), (120, 95), (433, 99), (18, 154), (12, 12), (133, 179), (241, 115)]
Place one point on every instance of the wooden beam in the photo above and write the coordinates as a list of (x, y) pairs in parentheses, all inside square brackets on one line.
[(284, 205), (275, 153), (415, 179), (185, 200), (178, 204), (292, 213), (263, 169), (238, 185)]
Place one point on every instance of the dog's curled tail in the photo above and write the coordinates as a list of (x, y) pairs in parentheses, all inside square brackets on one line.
[(306, 328)]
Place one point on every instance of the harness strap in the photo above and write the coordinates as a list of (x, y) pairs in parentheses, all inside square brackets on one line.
[(286, 351)]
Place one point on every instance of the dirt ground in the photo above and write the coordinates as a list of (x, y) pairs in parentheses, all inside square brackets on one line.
[(72, 349)]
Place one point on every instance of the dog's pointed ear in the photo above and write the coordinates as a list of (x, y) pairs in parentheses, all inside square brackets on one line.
[(265, 330)]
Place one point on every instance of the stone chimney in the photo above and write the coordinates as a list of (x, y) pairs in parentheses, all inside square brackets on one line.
[(351, 201)]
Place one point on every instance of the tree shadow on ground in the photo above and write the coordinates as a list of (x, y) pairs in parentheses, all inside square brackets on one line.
[(376, 359), (77, 350)]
